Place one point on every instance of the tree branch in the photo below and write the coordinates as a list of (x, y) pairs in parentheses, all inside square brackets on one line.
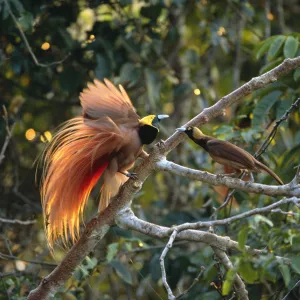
[(99, 226), (291, 189)]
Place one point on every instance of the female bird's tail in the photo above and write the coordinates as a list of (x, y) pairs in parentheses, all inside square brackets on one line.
[(73, 163), (262, 167)]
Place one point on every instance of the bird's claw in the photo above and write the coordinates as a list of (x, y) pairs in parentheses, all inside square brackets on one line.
[(132, 175)]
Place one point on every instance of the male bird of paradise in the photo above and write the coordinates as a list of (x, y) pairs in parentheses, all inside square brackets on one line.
[(104, 142)]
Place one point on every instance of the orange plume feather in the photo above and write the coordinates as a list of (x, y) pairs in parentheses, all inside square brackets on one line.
[(83, 149)]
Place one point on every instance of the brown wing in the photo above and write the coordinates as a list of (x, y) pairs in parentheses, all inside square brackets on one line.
[(99, 100), (227, 151)]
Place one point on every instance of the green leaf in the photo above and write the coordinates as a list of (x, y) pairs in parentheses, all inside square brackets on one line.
[(112, 250), (263, 47), (295, 263), (247, 272), (276, 47), (271, 65), (290, 47), (285, 271), (129, 73), (226, 288), (91, 262), (258, 219), (242, 237), (263, 106), (5, 12), (122, 271), (153, 86), (297, 74), (26, 21), (18, 5), (282, 107), (151, 11), (103, 69)]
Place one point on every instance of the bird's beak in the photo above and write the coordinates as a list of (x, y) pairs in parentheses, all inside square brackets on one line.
[(181, 129), (160, 117)]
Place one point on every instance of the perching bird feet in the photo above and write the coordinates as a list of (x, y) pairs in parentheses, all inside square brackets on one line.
[(131, 175)]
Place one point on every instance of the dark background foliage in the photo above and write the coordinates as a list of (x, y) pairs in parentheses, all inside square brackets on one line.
[(175, 57)]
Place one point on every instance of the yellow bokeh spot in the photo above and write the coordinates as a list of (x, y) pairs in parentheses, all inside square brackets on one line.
[(251, 116), (92, 37), (45, 46), (221, 31), (168, 108), (9, 74), (30, 134), (9, 48), (270, 16), (48, 135), (197, 92), (24, 80), (141, 244)]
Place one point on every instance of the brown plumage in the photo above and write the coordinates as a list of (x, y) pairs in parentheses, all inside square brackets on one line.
[(226, 153), (105, 140)]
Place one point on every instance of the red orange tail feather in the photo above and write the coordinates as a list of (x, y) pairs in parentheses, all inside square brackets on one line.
[(74, 162), (78, 156)]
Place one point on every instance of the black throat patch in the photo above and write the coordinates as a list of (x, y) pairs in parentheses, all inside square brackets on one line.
[(147, 134)]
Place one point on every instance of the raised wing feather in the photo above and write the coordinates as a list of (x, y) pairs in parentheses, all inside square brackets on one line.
[(99, 100), (230, 152)]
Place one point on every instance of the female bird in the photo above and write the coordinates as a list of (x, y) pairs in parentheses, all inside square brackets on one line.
[(226, 153), (104, 142)]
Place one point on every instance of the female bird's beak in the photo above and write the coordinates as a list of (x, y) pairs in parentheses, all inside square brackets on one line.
[(181, 129), (160, 117)]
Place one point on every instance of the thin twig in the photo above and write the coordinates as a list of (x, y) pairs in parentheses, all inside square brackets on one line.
[(16, 221), (36, 262), (27, 43), (294, 287), (272, 134), (196, 280), (162, 264), (286, 213), (8, 134)]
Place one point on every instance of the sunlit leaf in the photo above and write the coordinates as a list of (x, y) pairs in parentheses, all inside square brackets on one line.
[(290, 47), (112, 250), (122, 271), (285, 271), (227, 285), (276, 47), (242, 237), (248, 273)]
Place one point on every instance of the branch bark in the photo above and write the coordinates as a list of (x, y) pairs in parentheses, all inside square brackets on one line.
[(291, 189), (99, 226)]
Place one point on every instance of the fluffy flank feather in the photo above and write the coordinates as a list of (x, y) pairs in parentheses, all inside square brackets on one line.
[(73, 163)]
